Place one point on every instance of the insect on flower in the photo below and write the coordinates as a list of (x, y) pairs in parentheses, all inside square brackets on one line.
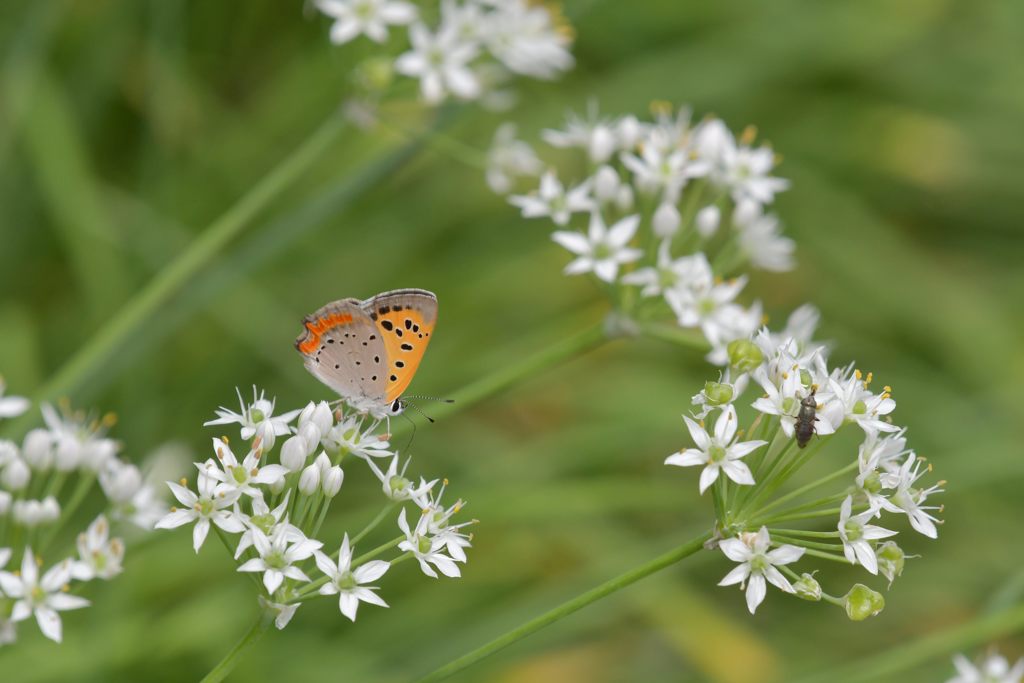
[(806, 418)]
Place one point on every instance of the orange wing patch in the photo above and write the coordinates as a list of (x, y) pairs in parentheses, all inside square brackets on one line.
[(406, 334), (316, 328)]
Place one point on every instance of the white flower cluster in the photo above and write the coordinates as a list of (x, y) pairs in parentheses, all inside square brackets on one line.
[(466, 49), (674, 208), (42, 484), (994, 668), (273, 505), (802, 404)]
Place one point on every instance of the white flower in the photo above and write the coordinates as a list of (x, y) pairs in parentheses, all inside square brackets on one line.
[(669, 278), (718, 452), (441, 62), (525, 40), (760, 239), (552, 200), (667, 171), (43, 597), (666, 220), (757, 564), (993, 669), (278, 553), (438, 527), (100, 555), (784, 401), (603, 249), (243, 476), (349, 436), (15, 475), (597, 136), (347, 583), (510, 158), (11, 406), (208, 506), (856, 534), (886, 453), (909, 499), (850, 400), (367, 17), (742, 169), (251, 416), (699, 298), (425, 549), (264, 519), (397, 487), (283, 611)]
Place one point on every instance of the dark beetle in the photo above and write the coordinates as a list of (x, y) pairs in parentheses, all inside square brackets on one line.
[(806, 418)]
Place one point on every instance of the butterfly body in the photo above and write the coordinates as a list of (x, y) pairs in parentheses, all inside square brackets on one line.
[(368, 351)]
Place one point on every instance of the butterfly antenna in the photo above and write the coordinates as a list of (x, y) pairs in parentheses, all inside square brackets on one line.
[(432, 398), (408, 444), (420, 412)]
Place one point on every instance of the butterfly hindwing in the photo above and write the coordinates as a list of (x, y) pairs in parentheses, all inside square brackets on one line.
[(343, 348), (405, 319)]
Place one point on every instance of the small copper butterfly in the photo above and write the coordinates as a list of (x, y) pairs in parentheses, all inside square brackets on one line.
[(368, 351)]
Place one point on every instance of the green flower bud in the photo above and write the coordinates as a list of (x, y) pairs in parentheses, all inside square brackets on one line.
[(718, 394), (890, 560), (862, 602), (807, 587), (744, 355)]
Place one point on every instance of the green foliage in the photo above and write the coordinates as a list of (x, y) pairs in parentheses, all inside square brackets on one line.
[(127, 128)]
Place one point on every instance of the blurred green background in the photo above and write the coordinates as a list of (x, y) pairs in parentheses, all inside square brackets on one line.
[(126, 127)]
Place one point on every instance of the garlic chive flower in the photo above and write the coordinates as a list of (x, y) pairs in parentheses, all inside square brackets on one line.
[(768, 517), (467, 50), (348, 584), (719, 452), (42, 596), (696, 200), (603, 249), (269, 508), (65, 493), (757, 565), (994, 668)]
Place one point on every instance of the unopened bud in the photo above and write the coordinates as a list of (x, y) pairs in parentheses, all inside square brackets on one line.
[(265, 435), (717, 393), (293, 453), (309, 480), (666, 220), (15, 475), (606, 183), (744, 355), (891, 559), (311, 434), (624, 200), (708, 219), (332, 480), (807, 587), (862, 602), (38, 449)]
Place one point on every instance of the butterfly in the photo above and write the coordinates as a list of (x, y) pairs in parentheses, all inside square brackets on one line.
[(368, 351)]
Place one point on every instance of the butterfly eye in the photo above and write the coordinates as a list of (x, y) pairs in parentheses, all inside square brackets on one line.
[(397, 406)]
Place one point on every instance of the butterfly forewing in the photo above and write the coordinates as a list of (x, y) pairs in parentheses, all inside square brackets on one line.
[(343, 348), (405, 319)]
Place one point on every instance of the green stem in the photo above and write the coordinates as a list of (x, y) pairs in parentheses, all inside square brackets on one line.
[(806, 488), (811, 514), (226, 665), (804, 532), (804, 543), (373, 523), (886, 664), (155, 294), (827, 556), (567, 608)]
